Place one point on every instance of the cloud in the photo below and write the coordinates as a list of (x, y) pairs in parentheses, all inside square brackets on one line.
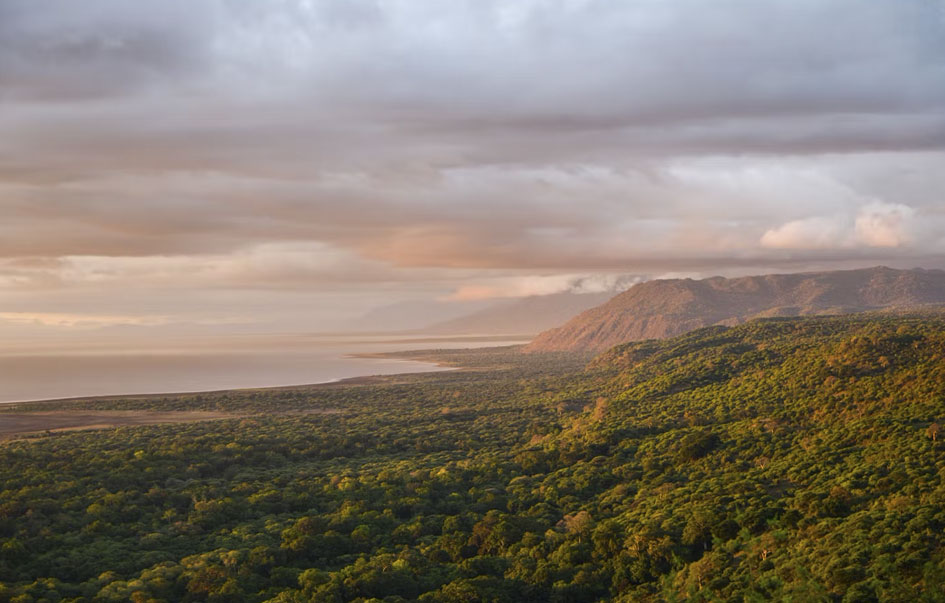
[(525, 286), (876, 224), (58, 319), (468, 82), (265, 266), (885, 225), (320, 148), (64, 51), (809, 233)]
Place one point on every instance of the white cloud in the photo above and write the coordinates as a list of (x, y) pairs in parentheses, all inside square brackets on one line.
[(525, 286), (810, 233), (875, 225), (885, 225)]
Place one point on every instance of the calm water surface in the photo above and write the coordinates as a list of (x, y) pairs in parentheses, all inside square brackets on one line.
[(109, 368)]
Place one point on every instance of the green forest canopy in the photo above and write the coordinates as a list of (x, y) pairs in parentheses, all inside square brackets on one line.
[(788, 459)]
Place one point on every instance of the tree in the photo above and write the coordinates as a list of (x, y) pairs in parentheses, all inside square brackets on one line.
[(933, 430)]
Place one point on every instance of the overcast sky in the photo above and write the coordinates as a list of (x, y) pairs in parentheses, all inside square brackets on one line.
[(295, 163)]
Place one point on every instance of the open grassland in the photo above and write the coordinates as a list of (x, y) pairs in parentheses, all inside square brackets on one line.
[(18, 424)]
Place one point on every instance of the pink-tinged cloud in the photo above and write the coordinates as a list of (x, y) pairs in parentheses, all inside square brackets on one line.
[(875, 225)]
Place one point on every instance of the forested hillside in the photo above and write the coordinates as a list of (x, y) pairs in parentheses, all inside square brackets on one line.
[(786, 459)]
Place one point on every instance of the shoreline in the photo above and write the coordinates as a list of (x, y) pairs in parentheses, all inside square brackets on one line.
[(423, 360), (32, 418), (358, 380), (179, 378), (436, 367)]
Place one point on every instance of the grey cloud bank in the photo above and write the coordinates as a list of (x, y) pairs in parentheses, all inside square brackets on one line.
[(328, 149)]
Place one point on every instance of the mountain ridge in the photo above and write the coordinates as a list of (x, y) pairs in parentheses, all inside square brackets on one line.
[(659, 309)]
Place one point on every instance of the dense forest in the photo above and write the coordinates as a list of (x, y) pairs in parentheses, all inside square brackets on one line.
[(786, 459)]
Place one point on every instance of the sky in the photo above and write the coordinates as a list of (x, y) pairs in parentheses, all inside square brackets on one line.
[(289, 165)]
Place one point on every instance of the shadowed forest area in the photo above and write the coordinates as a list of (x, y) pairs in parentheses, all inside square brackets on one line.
[(787, 459)]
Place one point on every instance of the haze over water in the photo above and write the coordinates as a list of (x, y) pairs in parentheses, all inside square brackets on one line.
[(222, 362)]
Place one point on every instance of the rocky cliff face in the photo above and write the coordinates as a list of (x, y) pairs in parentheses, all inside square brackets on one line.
[(664, 308)]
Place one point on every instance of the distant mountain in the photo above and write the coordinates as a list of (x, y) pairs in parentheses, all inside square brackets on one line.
[(520, 316), (414, 315), (664, 308)]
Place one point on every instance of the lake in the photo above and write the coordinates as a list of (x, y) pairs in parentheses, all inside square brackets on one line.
[(42, 372)]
